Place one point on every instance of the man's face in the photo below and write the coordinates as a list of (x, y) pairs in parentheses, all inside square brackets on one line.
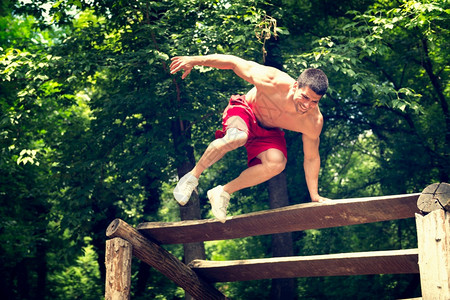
[(305, 99)]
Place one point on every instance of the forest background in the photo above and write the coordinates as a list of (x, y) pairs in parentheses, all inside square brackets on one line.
[(93, 127)]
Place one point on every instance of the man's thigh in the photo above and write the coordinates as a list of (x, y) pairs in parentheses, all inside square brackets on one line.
[(238, 123)]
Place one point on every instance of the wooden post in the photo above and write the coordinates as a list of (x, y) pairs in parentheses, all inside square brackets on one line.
[(163, 261), (433, 236), (435, 196), (118, 269)]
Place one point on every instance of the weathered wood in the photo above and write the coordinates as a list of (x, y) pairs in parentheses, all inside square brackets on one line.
[(363, 263), (433, 237), (287, 219), (163, 261), (118, 269), (435, 196)]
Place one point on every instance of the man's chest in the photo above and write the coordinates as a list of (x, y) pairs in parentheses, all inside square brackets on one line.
[(278, 111)]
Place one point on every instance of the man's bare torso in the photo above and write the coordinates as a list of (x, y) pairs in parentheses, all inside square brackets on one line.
[(278, 110)]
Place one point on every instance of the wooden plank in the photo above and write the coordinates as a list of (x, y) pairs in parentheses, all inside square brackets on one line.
[(362, 263), (118, 269), (287, 219), (163, 261), (433, 237)]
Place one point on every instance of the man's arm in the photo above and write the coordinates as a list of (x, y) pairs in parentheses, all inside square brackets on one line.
[(311, 165), (250, 71)]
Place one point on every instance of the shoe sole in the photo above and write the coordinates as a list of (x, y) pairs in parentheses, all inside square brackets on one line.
[(223, 220), (181, 199)]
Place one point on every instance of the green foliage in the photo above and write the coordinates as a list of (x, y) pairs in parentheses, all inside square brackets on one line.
[(88, 110), (79, 280), (256, 247)]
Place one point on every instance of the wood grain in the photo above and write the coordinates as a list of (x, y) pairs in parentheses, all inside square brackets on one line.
[(118, 269), (163, 261), (435, 196), (433, 236), (362, 263), (287, 219)]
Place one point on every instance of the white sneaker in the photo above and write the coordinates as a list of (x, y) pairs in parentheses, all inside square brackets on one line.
[(184, 188), (219, 202)]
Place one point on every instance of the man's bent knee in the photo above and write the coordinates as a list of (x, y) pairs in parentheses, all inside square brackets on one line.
[(274, 161), (276, 168)]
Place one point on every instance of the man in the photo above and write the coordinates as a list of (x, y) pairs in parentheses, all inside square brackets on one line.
[(276, 101)]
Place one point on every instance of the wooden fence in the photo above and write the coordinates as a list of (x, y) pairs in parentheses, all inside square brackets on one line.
[(431, 259)]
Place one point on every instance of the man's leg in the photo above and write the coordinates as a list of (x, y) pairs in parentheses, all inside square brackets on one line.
[(273, 163), (236, 136)]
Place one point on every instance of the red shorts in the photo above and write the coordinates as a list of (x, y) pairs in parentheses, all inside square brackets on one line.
[(259, 139)]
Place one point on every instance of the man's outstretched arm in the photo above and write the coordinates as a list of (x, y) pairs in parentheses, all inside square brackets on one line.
[(250, 71), (311, 165)]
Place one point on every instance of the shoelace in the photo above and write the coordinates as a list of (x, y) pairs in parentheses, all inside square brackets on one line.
[(225, 202), (189, 186)]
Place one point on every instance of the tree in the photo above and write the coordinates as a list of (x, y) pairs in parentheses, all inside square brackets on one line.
[(378, 56), (93, 127), (373, 141), (30, 119)]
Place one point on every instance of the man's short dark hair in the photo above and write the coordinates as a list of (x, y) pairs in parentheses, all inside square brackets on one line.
[(315, 79)]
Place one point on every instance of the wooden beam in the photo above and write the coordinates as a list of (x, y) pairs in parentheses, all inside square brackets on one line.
[(163, 261), (433, 237), (118, 269), (287, 219), (363, 263)]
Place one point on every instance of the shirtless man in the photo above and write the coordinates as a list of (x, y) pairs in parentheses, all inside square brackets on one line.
[(277, 101)]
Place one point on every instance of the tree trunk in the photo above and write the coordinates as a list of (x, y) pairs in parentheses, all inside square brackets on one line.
[(282, 244), (98, 228), (442, 161), (185, 158), (41, 256), (191, 211), (23, 282)]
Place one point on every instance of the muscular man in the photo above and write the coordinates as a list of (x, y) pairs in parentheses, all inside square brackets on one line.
[(255, 120)]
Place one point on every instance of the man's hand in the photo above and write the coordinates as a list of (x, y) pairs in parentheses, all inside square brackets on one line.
[(181, 62), (320, 199)]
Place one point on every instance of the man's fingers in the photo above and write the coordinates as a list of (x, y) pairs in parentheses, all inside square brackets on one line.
[(321, 200), (324, 200), (186, 73), (177, 64), (174, 67)]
